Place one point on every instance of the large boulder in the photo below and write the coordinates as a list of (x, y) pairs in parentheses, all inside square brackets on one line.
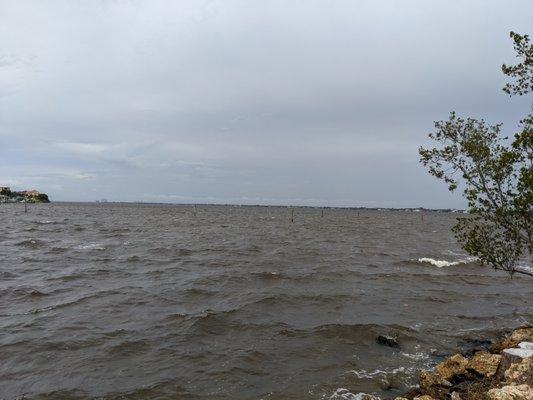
[(518, 335), (454, 365), (520, 373), (512, 356), (387, 340), (521, 392), (433, 384), (484, 363)]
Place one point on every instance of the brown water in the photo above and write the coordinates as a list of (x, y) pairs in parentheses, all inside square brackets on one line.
[(153, 302)]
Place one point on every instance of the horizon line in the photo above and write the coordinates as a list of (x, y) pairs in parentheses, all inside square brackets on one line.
[(411, 208)]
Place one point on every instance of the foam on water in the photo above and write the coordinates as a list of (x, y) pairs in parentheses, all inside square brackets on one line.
[(444, 263), (364, 374), (345, 394), (416, 356), (528, 269)]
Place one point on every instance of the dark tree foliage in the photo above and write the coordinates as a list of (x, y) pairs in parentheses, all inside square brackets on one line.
[(497, 175), (522, 72), (42, 198)]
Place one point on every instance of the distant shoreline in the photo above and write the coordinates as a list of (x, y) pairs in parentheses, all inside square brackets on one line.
[(24, 196), (407, 209)]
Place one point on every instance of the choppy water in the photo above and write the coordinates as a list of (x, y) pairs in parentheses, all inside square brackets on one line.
[(154, 302)]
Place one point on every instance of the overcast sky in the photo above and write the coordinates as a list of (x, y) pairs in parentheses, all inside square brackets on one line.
[(272, 102)]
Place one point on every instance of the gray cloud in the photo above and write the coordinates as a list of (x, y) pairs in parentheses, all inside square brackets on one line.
[(231, 101)]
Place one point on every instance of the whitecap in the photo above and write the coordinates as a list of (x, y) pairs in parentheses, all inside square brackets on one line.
[(525, 268), (364, 374), (345, 394), (444, 263), (416, 356)]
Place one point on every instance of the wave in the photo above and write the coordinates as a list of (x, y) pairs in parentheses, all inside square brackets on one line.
[(31, 243), (129, 348), (58, 250), (268, 275), (196, 291), (444, 263), (296, 301), (46, 222), (528, 269), (66, 303), (27, 292), (90, 246), (418, 356), (345, 394), (171, 251), (23, 293), (468, 260)]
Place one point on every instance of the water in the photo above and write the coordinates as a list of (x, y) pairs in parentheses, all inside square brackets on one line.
[(154, 302)]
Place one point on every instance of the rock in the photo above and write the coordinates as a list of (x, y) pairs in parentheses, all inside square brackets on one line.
[(470, 346), (433, 384), (387, 341), (424, 397), (455, 365), (366, 396), (428, 379), (518, 335), (520, 373), (511, 356), (520, 352), (521, 392), (484, 363), (455, 396), (526, 345), (401, 398)]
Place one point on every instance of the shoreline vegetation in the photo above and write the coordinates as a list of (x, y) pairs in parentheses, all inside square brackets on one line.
[(490, 371), (25, 196)]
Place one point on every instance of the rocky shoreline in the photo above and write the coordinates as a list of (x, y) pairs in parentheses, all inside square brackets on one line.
[(503, 371)]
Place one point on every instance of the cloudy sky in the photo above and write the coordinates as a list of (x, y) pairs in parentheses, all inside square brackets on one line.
[(273, 102)]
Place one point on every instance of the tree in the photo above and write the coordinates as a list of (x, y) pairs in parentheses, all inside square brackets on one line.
[(496, 173)]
